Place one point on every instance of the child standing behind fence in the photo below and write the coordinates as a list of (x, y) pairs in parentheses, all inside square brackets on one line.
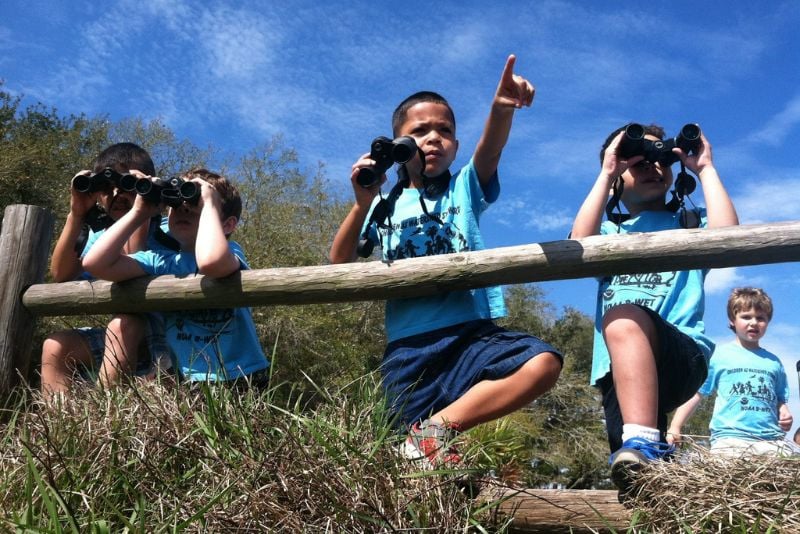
[(130, 343), (751, 414), (207, 345), (650, 350), (447, 366)]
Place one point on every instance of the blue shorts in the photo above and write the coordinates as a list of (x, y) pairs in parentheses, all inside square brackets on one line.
[(155, 341), (682, 368), (425, 373)]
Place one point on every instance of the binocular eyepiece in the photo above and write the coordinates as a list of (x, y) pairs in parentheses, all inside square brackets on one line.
[(634, 144), (386, 153), (103, 180), (171, 191)]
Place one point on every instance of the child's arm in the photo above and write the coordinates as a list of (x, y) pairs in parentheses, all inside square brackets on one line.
[(785, 418), (590, 215), (213, 254), (65, 264), (345, 243), (513, 92), (681, 415), (719, 208), (106, 259)]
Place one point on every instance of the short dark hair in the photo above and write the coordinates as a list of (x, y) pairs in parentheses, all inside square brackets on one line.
[(231, 200), (400, 114), (650, 129), (122, 157)]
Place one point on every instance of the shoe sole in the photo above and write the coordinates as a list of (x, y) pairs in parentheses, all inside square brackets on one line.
[(624, 470)]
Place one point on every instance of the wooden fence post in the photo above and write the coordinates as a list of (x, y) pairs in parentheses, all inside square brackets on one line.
[(24, 248)]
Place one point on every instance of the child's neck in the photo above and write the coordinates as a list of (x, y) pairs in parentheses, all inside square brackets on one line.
[(749, 345)]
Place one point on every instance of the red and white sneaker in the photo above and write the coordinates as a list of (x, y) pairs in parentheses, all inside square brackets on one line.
[(432, 444)]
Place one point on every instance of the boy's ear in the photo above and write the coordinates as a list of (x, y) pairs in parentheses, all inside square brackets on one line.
[(229, 225)]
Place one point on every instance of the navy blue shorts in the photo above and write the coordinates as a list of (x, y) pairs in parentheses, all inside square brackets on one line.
[(425, 373), (682, 368)]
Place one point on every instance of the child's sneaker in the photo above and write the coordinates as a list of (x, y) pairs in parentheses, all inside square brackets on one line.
[(629, 459), (432, 443)]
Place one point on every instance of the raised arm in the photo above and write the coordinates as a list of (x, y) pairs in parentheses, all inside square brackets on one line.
[(719, 207), (106, 259), (513, 92), (345, 242), (213, 254), (65, 265), (590, 215)]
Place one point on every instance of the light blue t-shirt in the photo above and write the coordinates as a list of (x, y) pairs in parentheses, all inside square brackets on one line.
[(677, 296), (211, 344), (750, 385), (414, 234)]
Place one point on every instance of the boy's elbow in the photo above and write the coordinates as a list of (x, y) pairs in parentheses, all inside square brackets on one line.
[(219, 267)]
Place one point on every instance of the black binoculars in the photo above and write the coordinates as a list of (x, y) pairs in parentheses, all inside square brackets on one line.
[(634, 144), (103, 180), (171, 191), (386, 153)]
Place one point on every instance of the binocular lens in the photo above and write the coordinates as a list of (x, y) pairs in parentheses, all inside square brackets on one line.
[(634, 131), (143, 186), (82, 183), (403, 149), (690, 132)]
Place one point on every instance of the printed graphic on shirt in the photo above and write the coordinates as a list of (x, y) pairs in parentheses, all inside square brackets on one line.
[(751, 389), (423, 236), (648, 289)]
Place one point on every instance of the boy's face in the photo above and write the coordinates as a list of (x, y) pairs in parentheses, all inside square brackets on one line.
[(184, 221), (117, 202), (750, 326), (429, 124), (646, 184)]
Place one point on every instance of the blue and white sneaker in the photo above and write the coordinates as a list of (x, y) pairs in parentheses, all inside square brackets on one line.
[(629, 459)]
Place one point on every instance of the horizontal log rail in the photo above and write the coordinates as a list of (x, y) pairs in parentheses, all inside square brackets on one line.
[(555, 260), (551, 511)]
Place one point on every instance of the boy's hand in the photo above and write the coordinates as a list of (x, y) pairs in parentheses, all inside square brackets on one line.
[(81, 203), (785, 418), (513, 91), (365, 195), (143, 208), (613, 165), (701, 159)]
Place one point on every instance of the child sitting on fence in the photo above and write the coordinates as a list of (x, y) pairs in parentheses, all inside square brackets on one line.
[(207, 345), (447, 366), (650, 349), (130, 343), (751, 414)]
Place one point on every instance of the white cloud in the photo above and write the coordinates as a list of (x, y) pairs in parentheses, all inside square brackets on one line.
[(721, 281), (777, 127)]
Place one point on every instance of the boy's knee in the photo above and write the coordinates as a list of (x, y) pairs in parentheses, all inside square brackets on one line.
[(625, 320), (127, 323), (544, 368)]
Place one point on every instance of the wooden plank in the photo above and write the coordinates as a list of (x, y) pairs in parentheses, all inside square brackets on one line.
[(557, 511), (556, 260), (24, 248)]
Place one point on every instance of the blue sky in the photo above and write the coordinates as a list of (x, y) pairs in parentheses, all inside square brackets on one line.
[(328, 75)]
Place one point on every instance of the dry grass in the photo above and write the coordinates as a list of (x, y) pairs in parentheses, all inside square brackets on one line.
[(153, 458), (707, 493)]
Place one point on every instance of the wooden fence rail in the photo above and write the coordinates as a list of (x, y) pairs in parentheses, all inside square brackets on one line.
[(556, 260)]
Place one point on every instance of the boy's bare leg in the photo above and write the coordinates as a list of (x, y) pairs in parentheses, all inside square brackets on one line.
[(490, 399), (61, 352), (124, 335), (631, 337)]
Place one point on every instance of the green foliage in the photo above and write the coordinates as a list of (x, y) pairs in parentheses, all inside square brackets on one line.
[(40, 151)]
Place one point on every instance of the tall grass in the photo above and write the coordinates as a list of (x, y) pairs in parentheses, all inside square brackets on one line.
[(155, 458)]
